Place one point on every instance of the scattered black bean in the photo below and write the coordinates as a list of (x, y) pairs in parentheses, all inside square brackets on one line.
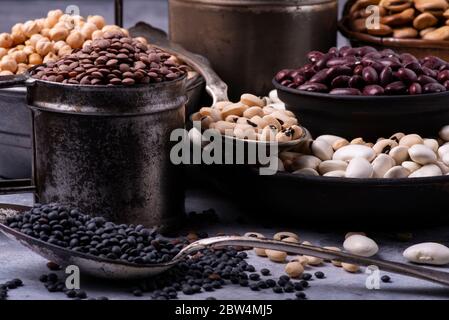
[(385, 278), (306, 276), (265, 272), (319, 274)]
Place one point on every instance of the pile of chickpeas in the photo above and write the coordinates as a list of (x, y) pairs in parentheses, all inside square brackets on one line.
[(48, 39)]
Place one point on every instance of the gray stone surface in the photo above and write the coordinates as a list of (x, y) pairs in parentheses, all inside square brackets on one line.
[(17, 261)]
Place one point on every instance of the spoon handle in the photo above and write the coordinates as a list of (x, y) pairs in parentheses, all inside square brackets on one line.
[(395, 267)]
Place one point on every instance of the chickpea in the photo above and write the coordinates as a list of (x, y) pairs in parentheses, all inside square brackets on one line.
[(50, 22), (87, 30), (21, 68), (44, 46), (3, 52), (34, 39), (17, 28), (58, 33), (9, 64), (50, 57), (58, 45), (97, 34), (20, 56), (112, 28), (40, 22), (34, 59), (55, 14), (65, 50), (75, 39), (28, 50), (18, 38), (6, 73), (6, 40), (30, 28), (45, 32), (87, 43), (67, 21), (97, 20)]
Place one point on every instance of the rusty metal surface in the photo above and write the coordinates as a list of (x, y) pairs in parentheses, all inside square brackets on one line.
[(247, 42), (106, 150)]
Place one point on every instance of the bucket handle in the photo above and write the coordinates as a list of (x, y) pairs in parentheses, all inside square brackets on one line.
[(21, 80)]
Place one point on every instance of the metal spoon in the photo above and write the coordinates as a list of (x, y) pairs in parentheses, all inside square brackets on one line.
[(112, 269)]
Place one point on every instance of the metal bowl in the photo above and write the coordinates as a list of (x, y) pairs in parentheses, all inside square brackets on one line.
[(367, 116)]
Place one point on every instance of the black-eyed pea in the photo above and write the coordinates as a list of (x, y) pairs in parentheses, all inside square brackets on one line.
[(206, 121), (284, 136), (272, 121), (294, 269), (259, 121), (268, 133), (251, 100), (397, 136), (245, 131), (339, 144), (196, 116), (353, 268), (215, 113), (258, 251), (281, 116), (205, 111), (289, 113), (296, 131), (253, 111), (236, 109), (275, 255), (242, 120), (232, 118), (221, 104), (285, 234), (268, 110), (290, 239), (224, 127), (289, 122)]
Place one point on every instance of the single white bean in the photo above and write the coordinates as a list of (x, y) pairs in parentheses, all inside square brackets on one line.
[(399, 154), (382, 164), (359, 168), (361, 245), (352, 151), (411, 166), (306, 172), (336, 174), (429, 170), (444, 133), (322, 150), (332, 165), (422, 154), (428, 253), (432, 144), (410, 140), (397, 172)]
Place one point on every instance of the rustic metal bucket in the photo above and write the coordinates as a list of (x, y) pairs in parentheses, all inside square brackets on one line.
[(106, 150), (247, 41)]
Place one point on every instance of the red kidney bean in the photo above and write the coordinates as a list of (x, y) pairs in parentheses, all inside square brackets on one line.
[(340, 82), (281, 75), (358, 70), (368, 62), (363, 51), (423, 79), (320, 76), (336, 61), (414, 66), (321, 64), (369, 75), (406, 75), (308, 71), (343, 50), (390, 62), (446, 84), (346, 91), (299, 80), (387, 52), (429, 72), (373, 90), (313, 87), (338, 71), (373, 55), (397, 87), (285, 82), (386, 76), (314, 56), (443, 76), (333, 51), (348, 52), (433, 88), (357, 82), (415, 88), (293, 73), (407, 57), (433, 62)]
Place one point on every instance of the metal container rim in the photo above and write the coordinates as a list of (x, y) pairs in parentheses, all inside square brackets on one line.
[(256, 3)]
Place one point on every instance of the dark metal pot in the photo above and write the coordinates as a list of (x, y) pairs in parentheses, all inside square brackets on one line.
[(369, 117), (106, 150), (247, 41)]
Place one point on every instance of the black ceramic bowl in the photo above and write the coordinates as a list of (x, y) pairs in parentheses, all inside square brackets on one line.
[(367, 116)]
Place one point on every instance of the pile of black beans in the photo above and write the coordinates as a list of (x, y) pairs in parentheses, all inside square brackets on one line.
[(367, 71), (69, 228), (113, 60), (5, 287)]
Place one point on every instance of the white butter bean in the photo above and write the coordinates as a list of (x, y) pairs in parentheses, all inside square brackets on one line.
[(422, 154), (399, 154), (306, 161), (432, 144), (429, 170), (353, 268), (443, 150), (335, 174), (322, 150), (443, 166), (359, 168), (410, 140), (397, 172), (348, 234), (428, 253), (306, 172), (382, 164), (444, 133), (339, 144), (410, 166), (329, 138), (361, 245), (384, 145), (332, 165), (352, 151)]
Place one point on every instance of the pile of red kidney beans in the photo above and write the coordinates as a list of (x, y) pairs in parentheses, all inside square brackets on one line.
[(367, 71)]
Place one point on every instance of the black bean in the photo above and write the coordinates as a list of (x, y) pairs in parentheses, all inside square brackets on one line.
[(319, 274), (300, 295), (385, 278), (278, 289), (265, 272)]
